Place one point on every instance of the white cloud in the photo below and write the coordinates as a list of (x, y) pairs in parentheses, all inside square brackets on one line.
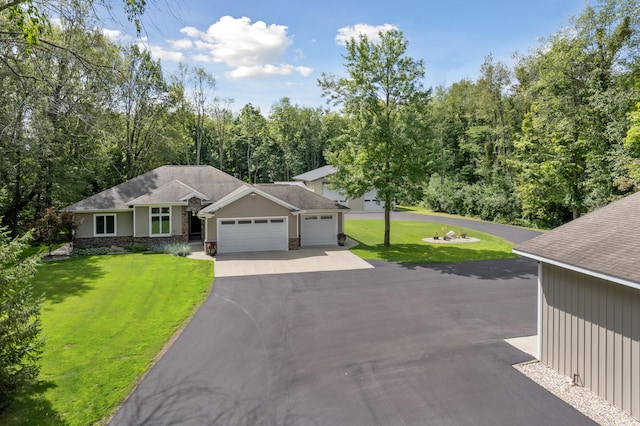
[(115, 35), (201, 45), (202, 58), (250, 49), (182, 44), (265, 71), (158, 52), (191, 32), (372, 32)]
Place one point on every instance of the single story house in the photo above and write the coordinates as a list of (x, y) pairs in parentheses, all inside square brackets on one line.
[(319, 181), (589, 301), (202, 203)]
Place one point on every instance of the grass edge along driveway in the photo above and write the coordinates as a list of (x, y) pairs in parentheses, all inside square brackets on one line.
[(105, 319), (407, 245)]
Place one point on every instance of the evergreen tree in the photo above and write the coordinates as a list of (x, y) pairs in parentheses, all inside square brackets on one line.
[(20, 341)]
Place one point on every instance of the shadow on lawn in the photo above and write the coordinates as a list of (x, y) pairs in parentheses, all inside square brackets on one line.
[(423, 253), (32, 408), (71, 277), (456, 260)]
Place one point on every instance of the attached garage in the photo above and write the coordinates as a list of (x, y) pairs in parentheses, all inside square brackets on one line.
[(252, 234), (318, 229)]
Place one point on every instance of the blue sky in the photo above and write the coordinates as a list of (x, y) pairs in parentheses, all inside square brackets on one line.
[(260, 51)]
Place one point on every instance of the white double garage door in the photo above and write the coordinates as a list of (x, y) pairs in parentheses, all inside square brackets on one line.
[(237, 235)]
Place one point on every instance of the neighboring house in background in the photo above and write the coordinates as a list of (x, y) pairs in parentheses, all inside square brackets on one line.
[(319, 181), (201, 203), (589, 301)]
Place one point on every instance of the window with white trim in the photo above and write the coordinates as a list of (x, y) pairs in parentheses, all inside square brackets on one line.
[(160, 221), (104, 225)]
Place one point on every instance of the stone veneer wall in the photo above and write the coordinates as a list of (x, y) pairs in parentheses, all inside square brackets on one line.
[(294, 243), (123, 241)]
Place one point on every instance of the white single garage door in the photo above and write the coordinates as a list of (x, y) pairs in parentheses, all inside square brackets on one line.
[(259, 234), (371, 201), (319, 230)]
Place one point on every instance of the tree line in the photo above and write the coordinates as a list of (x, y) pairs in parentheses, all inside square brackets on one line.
[(538, 142)]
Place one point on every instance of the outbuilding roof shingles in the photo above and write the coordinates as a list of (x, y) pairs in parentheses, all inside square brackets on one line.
[(605, 241)]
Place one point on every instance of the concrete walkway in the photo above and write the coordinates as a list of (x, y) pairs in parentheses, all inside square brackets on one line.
[(306, 259)]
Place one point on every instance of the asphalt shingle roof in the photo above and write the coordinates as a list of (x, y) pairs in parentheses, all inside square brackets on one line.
[(300, 197), (168, 193), (169, 184), (207, 180), (605, 241), (316, 174)]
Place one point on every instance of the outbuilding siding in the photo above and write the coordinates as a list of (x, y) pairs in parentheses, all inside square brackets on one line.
[(591, 327)]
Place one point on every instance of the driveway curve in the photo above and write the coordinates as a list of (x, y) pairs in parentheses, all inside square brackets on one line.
[(510, 233)]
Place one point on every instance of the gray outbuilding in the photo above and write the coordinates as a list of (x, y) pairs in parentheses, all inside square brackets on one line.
[(589, 301)]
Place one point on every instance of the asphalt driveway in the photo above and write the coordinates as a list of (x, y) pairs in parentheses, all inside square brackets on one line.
[(395, 345)]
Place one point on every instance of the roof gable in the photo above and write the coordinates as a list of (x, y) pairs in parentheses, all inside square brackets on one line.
[(170, 193), (604, 242), (246, 190)]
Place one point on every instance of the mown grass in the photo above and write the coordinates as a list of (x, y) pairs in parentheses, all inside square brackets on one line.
[(105, 319), (407, 244)]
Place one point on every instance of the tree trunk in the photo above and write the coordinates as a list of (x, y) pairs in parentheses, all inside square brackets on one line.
[(387, 221)]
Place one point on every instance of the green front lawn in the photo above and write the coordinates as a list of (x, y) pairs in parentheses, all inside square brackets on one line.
[(105, 320), (407, 244)]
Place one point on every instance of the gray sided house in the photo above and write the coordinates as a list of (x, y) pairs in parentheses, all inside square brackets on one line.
[(589, 301), (319, 181), (201, 203)]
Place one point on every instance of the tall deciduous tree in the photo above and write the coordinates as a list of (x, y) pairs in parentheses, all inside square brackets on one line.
[(383, 97), (250, 131), (142, 101), (579, 94), (201, 84)]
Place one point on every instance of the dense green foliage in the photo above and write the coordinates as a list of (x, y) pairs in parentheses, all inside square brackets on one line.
[(103, 330), (544, 142), (20, 340), (539, 142)]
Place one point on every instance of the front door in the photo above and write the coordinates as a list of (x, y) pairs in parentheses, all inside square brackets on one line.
[(195, 227)]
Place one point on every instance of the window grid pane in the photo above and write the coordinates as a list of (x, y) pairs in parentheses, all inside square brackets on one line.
[(110, 224), (160, 220), (99, 224)]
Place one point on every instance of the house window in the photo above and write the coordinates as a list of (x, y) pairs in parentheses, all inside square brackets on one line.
[(160, 221), (104, 225)]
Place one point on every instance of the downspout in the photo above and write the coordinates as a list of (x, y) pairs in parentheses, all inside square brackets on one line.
[(539, 326)]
